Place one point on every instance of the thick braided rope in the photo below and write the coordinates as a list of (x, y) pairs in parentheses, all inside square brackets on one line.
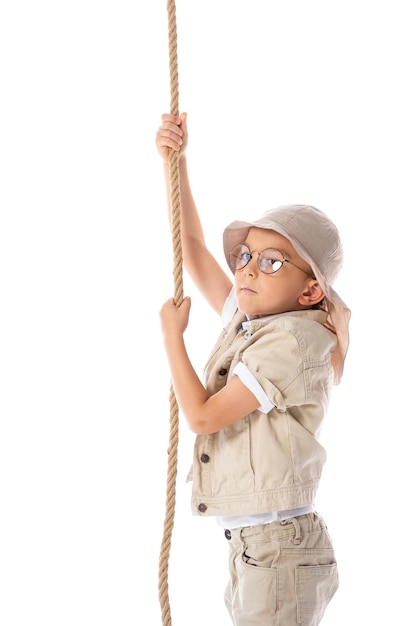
[(178, 297)]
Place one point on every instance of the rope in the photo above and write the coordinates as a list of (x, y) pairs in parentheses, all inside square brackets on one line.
[(178, 297)]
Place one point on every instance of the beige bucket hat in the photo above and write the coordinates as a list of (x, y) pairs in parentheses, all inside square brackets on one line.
[(316, 239)]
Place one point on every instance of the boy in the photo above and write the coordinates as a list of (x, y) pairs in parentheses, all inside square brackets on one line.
[(257, 460)]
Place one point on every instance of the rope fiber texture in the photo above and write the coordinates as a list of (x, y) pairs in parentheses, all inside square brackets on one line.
[(174, 179)]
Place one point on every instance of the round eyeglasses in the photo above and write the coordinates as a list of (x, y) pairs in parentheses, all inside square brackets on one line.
[(269, 261)]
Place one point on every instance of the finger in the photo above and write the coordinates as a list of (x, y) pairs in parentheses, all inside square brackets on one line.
[(169, 127), (166, 138), (186, 303), (168, 144), (171, 123), (174, 132), (183, 121), (169, 117)]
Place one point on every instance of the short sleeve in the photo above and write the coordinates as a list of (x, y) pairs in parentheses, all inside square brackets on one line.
[(250, 381), (276, 360)]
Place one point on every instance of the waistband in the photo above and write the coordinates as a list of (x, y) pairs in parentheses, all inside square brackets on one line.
[(239, 521), (293, 527)]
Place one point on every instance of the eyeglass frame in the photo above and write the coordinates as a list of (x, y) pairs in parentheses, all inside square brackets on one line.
[(251, 254)]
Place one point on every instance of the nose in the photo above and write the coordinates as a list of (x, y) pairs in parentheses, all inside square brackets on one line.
[(252, 266)]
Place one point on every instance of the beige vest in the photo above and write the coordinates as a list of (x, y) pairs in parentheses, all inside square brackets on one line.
[(270, 462)]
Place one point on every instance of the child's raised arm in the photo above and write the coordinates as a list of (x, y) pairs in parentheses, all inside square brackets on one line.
[(202, 267)]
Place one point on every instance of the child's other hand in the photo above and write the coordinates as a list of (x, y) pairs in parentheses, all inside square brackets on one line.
[(172, 134), (174, 319)]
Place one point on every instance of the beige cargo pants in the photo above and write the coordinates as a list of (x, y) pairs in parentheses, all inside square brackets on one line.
[(281, 574)]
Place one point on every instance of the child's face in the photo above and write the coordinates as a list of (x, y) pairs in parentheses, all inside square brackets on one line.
[(266, 294)]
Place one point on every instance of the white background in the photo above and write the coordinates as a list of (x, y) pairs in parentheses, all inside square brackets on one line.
[(304, 101)]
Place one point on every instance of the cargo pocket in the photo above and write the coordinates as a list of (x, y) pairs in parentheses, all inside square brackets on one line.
[(315, 586)]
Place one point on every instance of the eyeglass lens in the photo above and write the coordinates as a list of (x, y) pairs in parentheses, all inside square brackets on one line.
[(269, 260)]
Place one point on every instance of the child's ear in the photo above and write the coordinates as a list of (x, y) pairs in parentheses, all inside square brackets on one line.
[(312, 294)]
